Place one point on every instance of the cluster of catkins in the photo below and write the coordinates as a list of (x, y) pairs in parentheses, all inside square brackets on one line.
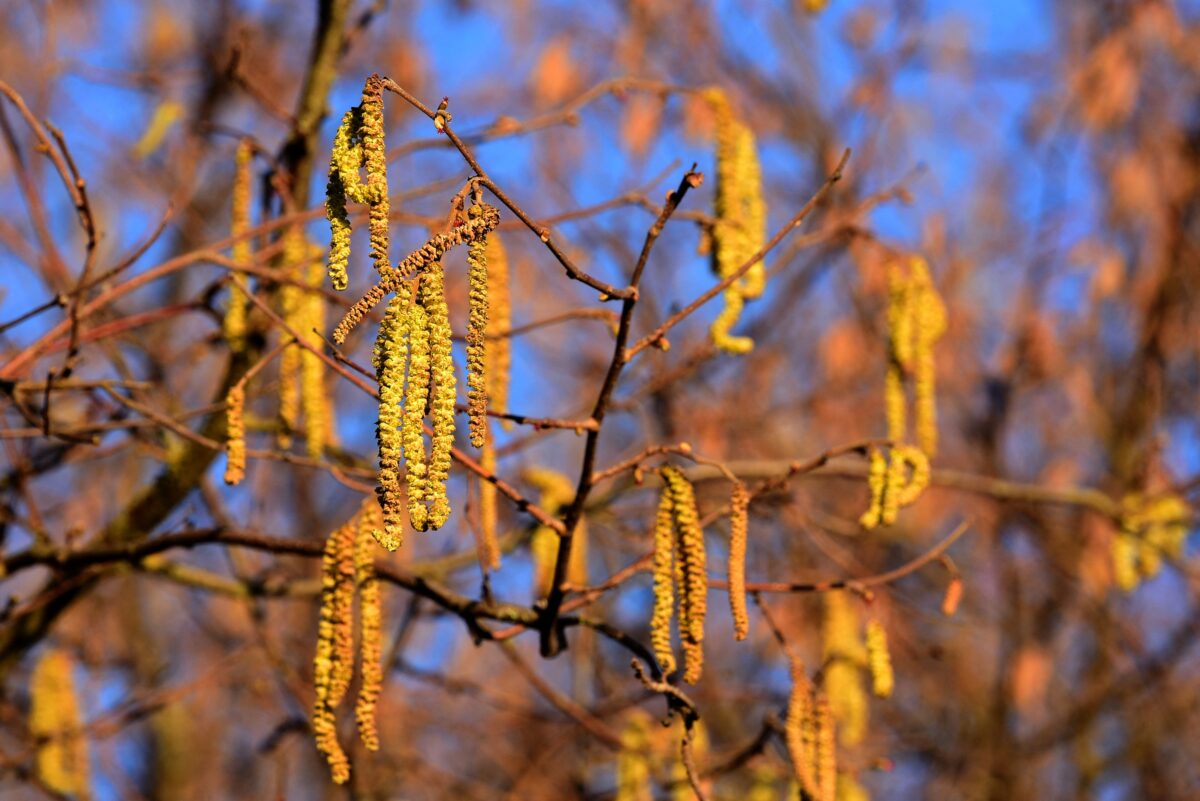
[(1151, 527), (412, 355), (740, 230), (347, 569), (301, 374), (916, 318), (819, 717)]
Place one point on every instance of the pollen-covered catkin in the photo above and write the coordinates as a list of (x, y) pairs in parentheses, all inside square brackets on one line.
[(234, 323), (389, 357), (692, 570), (335, 203), (477, 320), (929, 323), (314, 399), (879, 660), (497, 346), (370, 626), (738, 529), (741, 219), (664, 583), (333, 663), (844, 656), (826, 749), (416, 396), (235, 433), (56, 725), (799, 730), (428, 254), (443, 392), (374, 155)]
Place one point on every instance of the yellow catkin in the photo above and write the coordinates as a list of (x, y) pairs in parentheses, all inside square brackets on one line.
[(477, 320), (664, 583), (738, 529), (557, 492), (844, 657), (498, 347), (292, 300), (953, 597), (488, 542), (389, 357), (877, 476), (333, 663), (929, 323), (633, 760), (1151, 528), (428, 255), (443, 392), (56, 724), (798, 730), (370, 626), (416, 396), (335, 203), (879, 660), (741, 219), (374, 155), (234, 323), (314, 398), (825, 762), (235, 435), (691, 571)]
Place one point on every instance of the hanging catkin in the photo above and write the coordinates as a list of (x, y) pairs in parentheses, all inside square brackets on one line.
[(800, 730), (443, 391), (234, 323), (314, 398), (292, 299), (477, 321), (633, 760), (738, 524), (844, 658), (556, 493), (879, 660), (57, 727), (370, 625), (498, 346), (235, 433), (333, 663), (741, 219), (359, 143), (691, 556), (664, 583), (391, 347), (347, 569)]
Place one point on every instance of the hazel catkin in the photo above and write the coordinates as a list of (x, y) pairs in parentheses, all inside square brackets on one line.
[(879, 660), (497, 345), (57, 727), (234, 323), (738, 525), (477, 320), (235, 435)]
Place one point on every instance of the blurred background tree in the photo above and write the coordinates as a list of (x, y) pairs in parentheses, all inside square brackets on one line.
[(158, 628)]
